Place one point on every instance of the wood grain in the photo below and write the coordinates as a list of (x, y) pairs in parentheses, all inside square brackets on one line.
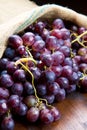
[(73, 115)]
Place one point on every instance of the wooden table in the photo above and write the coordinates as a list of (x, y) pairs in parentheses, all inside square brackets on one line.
[(74, 115)]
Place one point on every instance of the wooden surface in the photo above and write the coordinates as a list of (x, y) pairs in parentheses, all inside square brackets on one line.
[(73, 115)]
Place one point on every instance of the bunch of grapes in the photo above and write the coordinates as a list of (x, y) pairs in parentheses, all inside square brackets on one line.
[(40, 66)]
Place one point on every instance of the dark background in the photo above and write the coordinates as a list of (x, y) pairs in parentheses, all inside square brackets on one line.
[(78, 5)]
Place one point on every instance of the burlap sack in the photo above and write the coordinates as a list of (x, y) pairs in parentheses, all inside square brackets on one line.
[(48, 12)]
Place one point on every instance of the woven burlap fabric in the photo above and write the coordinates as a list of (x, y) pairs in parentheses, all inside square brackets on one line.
[(45, 12)]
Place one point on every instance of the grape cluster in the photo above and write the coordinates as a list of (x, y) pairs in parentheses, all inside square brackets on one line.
[(41, 66)]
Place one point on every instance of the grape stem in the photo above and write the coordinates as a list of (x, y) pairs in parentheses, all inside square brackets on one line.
[(78, 37), (39, 100)]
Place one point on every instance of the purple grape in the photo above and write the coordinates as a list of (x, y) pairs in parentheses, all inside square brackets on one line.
[(71, 88), (28, 88), (65, 33), (58, 58), (36, 72), (60, 95), (67, 71), (13, 101), (57, 33), (3, 107), (53, 88), (46, 59), (50, 76), (11, 67), (17, 89), (39, 27), (50, 98), (19, 75), (56, 114), (68, 61), (28, 39), (38, 45), (33, 114), (65, 50), (9, 53), (7, 123), (21, 109), (4, 93), (15, 41), (3, 63), (83, 84), (6, 80), (41, 89), (63, 82), (57, 70), (30, 101), (58, 24), (51, 43), (74, 78), (46, 117), (21, 50), (83, 67)]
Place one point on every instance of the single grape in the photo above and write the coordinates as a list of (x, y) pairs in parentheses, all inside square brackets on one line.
[(37, 37), (46, 117), (83, 84), (68, 61), (57, 70), (28, 88), (46, 59), (6, 80), (21, 50), (56, 114), (3, 72), (21, 109), (71, 88), (58, 58), (60, 95), (13, 101), (63, 82), (33, 114), (50, 98), (49, 76), (74, 78), (39, 27), (65, 34), (58, 24), (82, 51), (28, 39), (75, 67), (53, 88), (7, 123), (11, 67), (36, 72), (4, 93), (45, 34), (3, 107), (3, 63), (9, 53), (51, 42), (38, 45), (17, 89), (19, 75), (65, 50), (41, 89), (57, 33), (84, 58), (67, 71), (15, 41), (30, 101), (83, 67)]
